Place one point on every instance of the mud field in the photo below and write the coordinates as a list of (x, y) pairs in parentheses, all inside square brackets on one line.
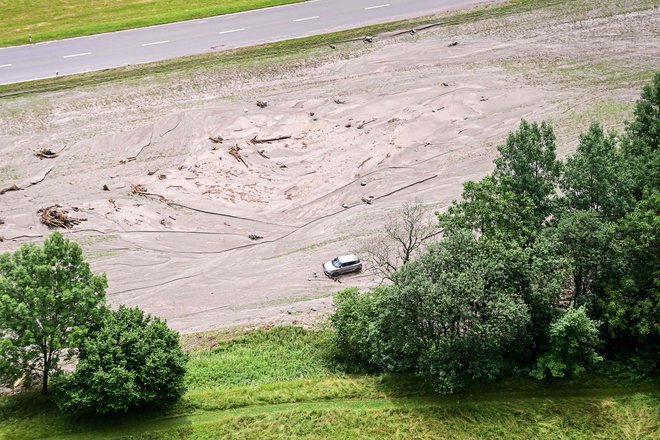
[(206, 238)]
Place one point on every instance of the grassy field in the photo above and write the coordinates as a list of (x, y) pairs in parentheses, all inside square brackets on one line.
[(55, 19), (282, 383)]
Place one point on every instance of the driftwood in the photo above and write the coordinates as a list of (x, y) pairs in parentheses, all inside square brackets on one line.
[(361, 126), (45, 153), (216, 139), (13, 187), (262, 104), (254, 140), (339, 101), (235, 151), (57, 217), (262, 153), (138, 188)]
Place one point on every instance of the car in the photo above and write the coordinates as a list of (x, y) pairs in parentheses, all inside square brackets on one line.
[(342, 265)]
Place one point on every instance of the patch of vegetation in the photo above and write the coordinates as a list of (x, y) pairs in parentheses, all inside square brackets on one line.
[(49, 20)]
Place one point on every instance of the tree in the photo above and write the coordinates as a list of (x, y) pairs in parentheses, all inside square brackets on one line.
[(574, 342), (589, 242), (403, 237), (49, 299), (595, 176), (641, 145), (132, 360), (529, 159)]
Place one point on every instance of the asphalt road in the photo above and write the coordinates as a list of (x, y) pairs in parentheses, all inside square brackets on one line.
[(155, 43)]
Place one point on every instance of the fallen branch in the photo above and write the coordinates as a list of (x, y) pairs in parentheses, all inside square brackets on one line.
[(262, 153), (234, 151), (361, 126), (57, 217), (13, 187), (216, 139), (254, 140)]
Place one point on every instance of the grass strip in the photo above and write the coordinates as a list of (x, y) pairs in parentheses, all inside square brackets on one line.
[(48, 20)]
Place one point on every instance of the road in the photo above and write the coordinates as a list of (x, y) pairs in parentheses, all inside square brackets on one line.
[(156, 43)]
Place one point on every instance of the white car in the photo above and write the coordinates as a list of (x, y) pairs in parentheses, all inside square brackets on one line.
[(342, 265)]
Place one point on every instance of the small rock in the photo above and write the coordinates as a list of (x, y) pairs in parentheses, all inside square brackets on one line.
[(332, 46), (105, 188), (344, 205), (452, 44), (363, 183), (245, 110), (313, 309)]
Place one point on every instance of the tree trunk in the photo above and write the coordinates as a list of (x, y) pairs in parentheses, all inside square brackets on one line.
[(44, 382)]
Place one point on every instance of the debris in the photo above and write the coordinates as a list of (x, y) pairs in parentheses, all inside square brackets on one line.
[(255, 237), (105, 188), (128, 159), (45, 153), (344, 205), (483, 99), (316, 275), (363, 183), (234, 151), (163, 222), (413, 31), (313, 309), (361, 126), (254, 140), (216, 139), (368, 39), (348, 125), (114, 205), (151, 173), (452, 44), (311, 113), (138, 188), (283, 166), (262, 104), (13, 187), (262, 153), (444, 84), (366, 200), (162, 176), (2, 238), (339, 101), (332, 46), (245, 110), (2, 222), (57, 217)]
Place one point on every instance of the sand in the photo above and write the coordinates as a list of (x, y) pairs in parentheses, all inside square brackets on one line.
[(432, 114)]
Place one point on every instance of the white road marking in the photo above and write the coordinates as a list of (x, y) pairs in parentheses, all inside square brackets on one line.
[(307, 18), (5, 65), (233, 30), (377, 6), (156, 42), (77, 55)]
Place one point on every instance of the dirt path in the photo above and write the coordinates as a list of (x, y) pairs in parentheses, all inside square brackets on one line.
[(402, 119)]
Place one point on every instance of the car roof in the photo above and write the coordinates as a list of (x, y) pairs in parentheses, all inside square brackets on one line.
[(348, 258)]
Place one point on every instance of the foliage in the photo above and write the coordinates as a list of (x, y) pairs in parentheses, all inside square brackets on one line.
[(49, 300), (573, 344), (132, 360), (595, 177), (641, 145), (528, 159)]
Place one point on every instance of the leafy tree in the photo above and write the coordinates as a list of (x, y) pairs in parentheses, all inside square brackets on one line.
[(49, 299), (529, 159), (589, 243), (132, 360), (595, 176), (491, 208), (641, 146), (574, 342), (631, 308)]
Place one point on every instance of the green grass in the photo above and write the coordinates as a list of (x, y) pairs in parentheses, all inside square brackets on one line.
[(56, 19), (282, 383)]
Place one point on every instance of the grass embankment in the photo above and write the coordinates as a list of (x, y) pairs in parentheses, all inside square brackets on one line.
[(56, 19), (282, 384), (278, 52)]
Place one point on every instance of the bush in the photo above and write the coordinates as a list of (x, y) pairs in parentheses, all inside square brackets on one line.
[(573, 340), (132, 360)]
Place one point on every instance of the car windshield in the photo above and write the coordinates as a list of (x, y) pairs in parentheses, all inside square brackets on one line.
[(336, 263)]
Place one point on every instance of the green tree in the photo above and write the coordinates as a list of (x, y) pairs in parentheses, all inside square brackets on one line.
[(641, 145), (631, 308), (589, 242), (132, 360), (574, 343), (529, 159), (595, 176), (49, 299)]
